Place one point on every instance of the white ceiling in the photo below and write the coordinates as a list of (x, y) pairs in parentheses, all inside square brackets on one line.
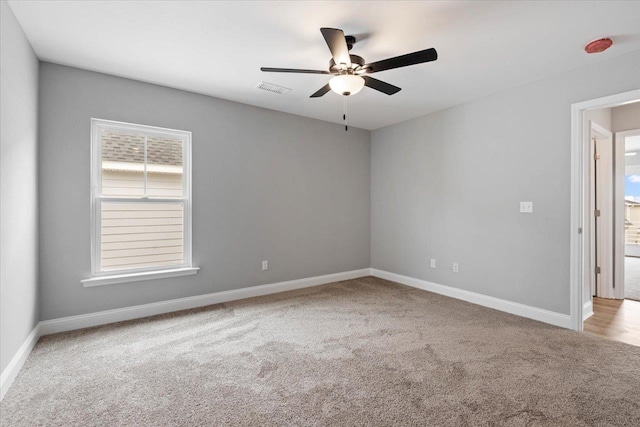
[(217, 48)]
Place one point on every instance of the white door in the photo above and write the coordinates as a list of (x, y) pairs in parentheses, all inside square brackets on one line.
[(603, 212)]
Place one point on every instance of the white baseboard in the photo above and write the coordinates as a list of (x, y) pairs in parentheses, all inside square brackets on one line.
[(11, 371), (587, 310), (135, 312), (546, 316)]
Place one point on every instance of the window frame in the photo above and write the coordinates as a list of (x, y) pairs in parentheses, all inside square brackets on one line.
[(97, 126)]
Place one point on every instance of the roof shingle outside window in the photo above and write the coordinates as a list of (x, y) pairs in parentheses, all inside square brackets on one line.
[(123, 147)]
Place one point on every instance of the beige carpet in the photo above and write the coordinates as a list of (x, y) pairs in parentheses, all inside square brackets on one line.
[(361, 352)]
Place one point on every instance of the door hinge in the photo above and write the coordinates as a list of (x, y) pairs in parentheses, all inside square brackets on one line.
[(596, 213), (579, 230), (597, 270), (596, 156)]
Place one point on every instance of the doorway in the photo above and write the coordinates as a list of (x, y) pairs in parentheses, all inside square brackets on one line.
[(582, 256), (612, 265)]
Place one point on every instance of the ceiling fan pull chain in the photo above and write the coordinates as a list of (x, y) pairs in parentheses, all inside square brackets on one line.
[(344, 114)]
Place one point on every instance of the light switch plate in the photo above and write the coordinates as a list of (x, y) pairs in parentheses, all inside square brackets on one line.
[(526, 207)]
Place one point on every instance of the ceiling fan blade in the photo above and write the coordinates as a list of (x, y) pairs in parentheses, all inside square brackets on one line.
[(419, 57), (292, 70), (381, 86), (337, 45), (324, 89)]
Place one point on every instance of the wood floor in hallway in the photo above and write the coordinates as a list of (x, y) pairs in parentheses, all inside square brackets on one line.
[(618, 320)]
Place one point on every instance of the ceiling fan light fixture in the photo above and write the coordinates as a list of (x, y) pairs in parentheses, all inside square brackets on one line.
[(346, 84)]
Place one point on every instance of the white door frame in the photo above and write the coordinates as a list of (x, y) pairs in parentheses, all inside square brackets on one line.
[(580, 154)]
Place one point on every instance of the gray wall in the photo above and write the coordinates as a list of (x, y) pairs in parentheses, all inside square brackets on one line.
[(18, 187), (448, 185), (625, 117), (266, 185)]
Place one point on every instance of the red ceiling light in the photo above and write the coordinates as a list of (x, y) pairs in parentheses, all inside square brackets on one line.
[(599, 45)]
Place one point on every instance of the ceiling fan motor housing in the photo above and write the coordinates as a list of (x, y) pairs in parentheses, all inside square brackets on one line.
[(351, 40), (356, 63)]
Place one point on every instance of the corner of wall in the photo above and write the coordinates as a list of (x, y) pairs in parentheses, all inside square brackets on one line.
[(19, 76)]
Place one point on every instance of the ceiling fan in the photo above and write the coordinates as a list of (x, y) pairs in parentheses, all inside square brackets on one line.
[(351, 71)]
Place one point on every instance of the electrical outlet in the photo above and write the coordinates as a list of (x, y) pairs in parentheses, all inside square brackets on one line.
[(455, 267), (265, 265), (433, 263), (526, 207)]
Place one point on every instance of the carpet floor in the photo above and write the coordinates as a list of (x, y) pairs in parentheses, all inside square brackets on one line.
[(632, 278), (359, 352)]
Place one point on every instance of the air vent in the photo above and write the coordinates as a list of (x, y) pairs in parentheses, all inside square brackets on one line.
[(270, 87)]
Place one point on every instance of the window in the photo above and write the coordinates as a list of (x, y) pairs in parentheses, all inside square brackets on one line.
[(140, 199)]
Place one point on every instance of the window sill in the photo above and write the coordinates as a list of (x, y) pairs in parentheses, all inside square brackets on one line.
[(136, 277)]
